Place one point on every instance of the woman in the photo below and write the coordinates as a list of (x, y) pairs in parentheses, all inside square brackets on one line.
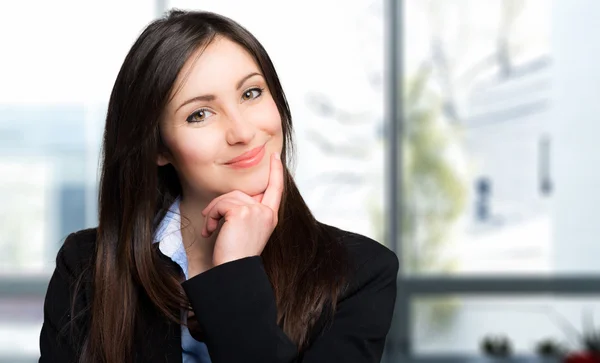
[(205, 251)]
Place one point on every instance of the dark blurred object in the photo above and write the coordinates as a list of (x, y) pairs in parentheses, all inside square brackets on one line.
[(546, 186), (484, 191), (591, 341), (496, 346), (550, 348), (583, 358), (591, 346)]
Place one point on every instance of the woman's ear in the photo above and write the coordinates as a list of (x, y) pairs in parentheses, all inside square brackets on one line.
[(164, 155), (163, 158)]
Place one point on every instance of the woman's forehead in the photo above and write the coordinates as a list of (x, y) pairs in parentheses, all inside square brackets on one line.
[(218, 65)]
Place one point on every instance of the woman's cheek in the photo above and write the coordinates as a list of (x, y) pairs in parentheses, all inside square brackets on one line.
[(198, 150), (270, 119)]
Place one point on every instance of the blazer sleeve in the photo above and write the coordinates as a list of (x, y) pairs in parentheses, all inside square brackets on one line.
[(235, 307), (59, 340)]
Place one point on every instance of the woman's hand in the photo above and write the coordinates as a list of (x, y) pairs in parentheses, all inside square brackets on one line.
[(249, 221)]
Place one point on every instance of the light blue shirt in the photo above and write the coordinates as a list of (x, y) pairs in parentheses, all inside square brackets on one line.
[(168, 236)]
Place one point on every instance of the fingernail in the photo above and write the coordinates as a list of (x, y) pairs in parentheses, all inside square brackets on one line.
[(277, 156)]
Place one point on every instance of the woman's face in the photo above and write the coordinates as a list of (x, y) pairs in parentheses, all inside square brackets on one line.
[(223, 109)]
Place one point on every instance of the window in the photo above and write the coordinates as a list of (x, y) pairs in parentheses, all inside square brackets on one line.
[(495, 142), (477, 119), (59, 61)]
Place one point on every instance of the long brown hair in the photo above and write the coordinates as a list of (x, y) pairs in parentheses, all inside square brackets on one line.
[(305, 264)]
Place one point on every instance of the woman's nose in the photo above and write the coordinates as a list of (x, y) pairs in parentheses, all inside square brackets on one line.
[(239, 130)]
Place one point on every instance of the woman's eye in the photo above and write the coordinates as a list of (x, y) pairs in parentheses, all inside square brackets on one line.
[(251, 94), (200, 115)]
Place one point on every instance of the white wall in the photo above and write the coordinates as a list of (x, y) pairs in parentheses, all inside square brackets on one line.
[(576, 129)]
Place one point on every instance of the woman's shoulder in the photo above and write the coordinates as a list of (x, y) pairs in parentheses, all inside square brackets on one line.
[(368, 258), (362, 249), (77, 252)]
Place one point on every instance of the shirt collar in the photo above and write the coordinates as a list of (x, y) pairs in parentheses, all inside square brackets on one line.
[(169, 239)]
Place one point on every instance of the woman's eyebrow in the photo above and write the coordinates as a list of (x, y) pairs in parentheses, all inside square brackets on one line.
[(244, 79), (208, 98)]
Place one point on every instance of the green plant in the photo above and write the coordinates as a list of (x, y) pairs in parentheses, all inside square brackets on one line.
[(434, 194)]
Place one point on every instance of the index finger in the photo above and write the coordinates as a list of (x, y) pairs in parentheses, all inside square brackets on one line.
[(272, 195)]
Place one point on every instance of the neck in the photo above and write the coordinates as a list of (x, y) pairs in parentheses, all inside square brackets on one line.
[(199, 250)]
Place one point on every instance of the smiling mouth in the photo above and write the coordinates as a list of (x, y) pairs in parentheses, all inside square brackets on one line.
[(248, 159)]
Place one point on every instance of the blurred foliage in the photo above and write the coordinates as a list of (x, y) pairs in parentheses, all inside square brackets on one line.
[(434, 194)]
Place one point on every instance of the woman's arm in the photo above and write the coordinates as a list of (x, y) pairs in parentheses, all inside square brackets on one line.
[(235, 307)]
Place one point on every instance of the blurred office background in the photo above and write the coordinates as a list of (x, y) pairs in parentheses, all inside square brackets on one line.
[(462, 134)]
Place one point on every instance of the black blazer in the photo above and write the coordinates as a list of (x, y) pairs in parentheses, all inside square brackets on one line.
[(235, 305)]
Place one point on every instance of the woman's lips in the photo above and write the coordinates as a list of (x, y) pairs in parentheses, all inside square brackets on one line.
[(247, 159)]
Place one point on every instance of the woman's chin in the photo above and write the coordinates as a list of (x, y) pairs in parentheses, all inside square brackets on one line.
[(254, 185), (253, 190)]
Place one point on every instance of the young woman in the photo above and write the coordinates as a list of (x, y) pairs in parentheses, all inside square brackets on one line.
[(205, 250)]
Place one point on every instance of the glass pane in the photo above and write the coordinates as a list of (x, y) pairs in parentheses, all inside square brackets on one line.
[(64, 56), (20, 323), (459, 325), (335, 93), (499, 142), (52, 105)]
